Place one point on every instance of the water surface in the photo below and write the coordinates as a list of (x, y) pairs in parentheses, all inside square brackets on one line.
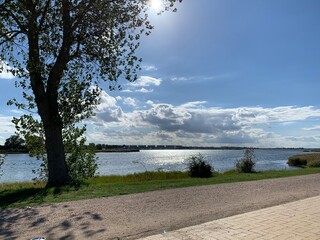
[(18, 167)]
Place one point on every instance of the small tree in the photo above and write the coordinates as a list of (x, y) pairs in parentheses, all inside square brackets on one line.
[(247, 163), (198, 167)]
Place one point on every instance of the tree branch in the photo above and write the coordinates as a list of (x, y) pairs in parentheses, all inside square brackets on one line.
[(44, 13), (64, 53), (34, 63), (7, 38), (22, 27)]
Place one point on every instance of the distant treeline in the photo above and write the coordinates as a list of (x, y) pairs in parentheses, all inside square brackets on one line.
[(15, 144), (106, 147)]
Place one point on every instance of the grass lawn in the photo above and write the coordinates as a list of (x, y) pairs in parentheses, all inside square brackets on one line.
[(30, 194)]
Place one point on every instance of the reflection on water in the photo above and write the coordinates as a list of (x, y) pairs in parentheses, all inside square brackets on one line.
[(18, 167)]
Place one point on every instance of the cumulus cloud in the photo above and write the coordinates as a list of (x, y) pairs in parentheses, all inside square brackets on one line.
[(143, 85), (107, 110), (166, 117), (146, 81), (106, 101), (192, 123), (129, 101), (110, 115)]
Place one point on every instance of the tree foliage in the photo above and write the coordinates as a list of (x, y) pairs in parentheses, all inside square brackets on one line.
[(14, 142), (61, 51)]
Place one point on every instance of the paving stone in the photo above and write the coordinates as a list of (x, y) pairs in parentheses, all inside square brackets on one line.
[(295, 220)]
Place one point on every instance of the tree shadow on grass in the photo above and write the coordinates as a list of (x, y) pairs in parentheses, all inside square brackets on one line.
[(21, 197), (29, 196)]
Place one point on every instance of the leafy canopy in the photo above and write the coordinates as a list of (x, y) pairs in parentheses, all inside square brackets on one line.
[(61, 51), (72, 46)]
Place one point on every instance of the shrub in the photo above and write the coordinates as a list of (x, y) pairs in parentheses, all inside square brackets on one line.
[(246, 164), (314, 164), (198, 167), (297, 162)]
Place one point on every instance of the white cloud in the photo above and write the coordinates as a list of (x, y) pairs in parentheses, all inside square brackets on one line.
[(141, 90), (107, 110), (127, 91), (142, 85), (106, 101), (193, 124), (315, 128), (5, 71), (181, 78), (144, 90), (149, 68), (6, 128), (146, 81), (201, 77), (129, 101), (193, 104)]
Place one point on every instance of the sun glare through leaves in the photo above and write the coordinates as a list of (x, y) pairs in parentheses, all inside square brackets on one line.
[(156, 5)]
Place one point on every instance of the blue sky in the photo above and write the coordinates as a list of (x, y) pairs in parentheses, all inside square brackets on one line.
[(216, 73)]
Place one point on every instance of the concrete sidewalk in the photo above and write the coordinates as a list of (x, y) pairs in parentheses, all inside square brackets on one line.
[(295, 220)]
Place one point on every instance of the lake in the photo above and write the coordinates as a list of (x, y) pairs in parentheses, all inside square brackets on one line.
[(18, 167)]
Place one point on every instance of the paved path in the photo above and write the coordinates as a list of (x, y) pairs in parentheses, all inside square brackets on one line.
[(295, 220)]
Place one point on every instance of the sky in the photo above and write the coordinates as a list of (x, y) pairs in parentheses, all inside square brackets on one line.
[(215, 73)]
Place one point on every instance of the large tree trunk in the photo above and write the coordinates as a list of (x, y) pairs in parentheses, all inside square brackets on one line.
[(57, 168), (46, 93)]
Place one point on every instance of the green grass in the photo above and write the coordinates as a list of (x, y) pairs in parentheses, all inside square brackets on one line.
[(29, 194)]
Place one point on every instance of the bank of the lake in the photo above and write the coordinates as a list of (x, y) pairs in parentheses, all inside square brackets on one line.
[(311, 159), (30, 194), (18, 167)]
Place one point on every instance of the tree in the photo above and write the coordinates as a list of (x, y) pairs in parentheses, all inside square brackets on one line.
[(99, 146), (61, 50), (14, 142)]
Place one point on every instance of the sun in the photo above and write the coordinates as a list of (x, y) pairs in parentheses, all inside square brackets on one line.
[(155, 5)]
